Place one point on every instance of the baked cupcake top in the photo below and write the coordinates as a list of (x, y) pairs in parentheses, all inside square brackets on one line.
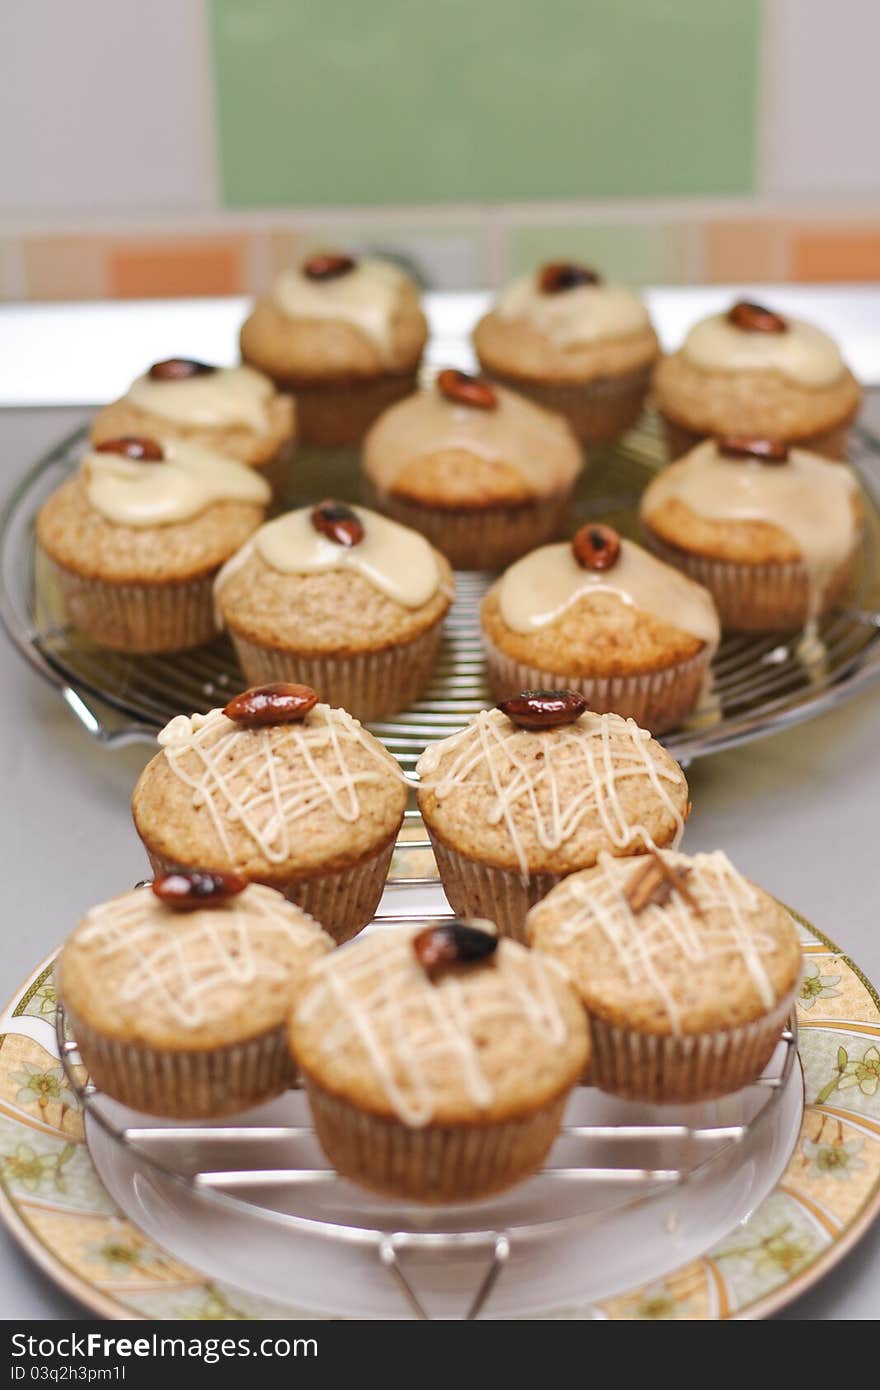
[(138, 970), (751, 338), (334, 577), (466, 442), (598, 604), (274, 786), (486, 1036), (546, 786), (669, 943)]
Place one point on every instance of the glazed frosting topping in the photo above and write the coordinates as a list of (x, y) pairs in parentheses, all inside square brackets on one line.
[(649, 945), (227, 396), (803, 353), (179, 964), (582, 314), (367, 296), (267, 782), (807, 497), (187, 481), (540, 587), (603, 749), (414, 1032), (515, 432), (394, 559)]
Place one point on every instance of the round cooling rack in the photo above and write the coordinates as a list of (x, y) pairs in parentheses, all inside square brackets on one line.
[(761, 684)]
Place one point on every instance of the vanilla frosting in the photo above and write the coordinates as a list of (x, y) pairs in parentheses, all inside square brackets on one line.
[(808, 498), (227, 396), (189, 479), (582, 314), (394, 559), (803, 353), (367, 296), (541, 586)]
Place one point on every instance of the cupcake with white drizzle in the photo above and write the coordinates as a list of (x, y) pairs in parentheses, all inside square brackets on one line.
[(687, 970), (483, 473), (341, 599), (234, 411), (437, 1060), (773, 532), (345, 335), (537, 789), (283, 791), (138, 535), (178, 998), (755, 373), (574, 343), (602, 616)]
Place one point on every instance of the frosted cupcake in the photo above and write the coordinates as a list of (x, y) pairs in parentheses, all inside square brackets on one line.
[(602, 616), (341, 599), (483, 473), (753, 373), (437, 1060), (137, 536), (537, 789), (574, 343), (178, 998), (229, 410), (282, 791), (345, 335), (687, 970), (773, 532)]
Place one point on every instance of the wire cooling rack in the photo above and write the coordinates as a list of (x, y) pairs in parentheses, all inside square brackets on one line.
[(761, 682)]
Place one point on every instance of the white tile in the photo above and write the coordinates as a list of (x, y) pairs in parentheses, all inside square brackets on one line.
[(105, 105)]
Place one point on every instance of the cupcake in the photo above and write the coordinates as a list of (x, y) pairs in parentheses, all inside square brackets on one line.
[(573, 343), (283, 791), (751, 372), (341, 599), (535, 790), (483, 473), (437, 1060), (772, 532), (687, 971), (178, 998), (601, 616), (344, 335), (137, 536), (230, 410)]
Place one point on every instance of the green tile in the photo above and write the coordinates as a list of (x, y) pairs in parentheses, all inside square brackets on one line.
[(335, 101), (639, 254)]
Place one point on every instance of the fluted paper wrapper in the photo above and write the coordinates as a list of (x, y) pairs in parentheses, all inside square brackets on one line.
[(475, 889), (139, 618), (831, 443), (436, 1163), (599, 411)]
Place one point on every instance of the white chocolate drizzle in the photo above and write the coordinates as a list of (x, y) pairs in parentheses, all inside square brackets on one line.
[(179, 961), (541, 586), (413, 1031), (189, 479), (650, 943), (367, 296), (597, 753), (226, 396), (803, 353), (582, 314), (245, 782)]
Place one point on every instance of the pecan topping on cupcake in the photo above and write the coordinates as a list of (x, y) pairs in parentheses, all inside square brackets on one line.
[(279, 703), (464, 389), (184, 890), (544, 709), (179, 369), (327, 265), (459, 942), (565, 275), (132, 447), (754, 318), (338, 523), (596, 546), (764, 450)]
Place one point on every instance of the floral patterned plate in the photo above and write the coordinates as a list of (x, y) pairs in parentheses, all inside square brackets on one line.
[(54, 1203)]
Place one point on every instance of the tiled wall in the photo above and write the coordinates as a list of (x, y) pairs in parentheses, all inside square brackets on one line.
[(191, 146)]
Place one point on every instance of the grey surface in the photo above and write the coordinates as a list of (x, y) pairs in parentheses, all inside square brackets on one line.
[(797, 812)]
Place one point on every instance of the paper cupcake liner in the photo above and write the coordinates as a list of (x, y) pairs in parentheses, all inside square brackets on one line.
[(340, 412), (480, 538), (193, 1085), (275, 471), (832, 443), (369, 685), (475, 889), (755, 598), (655, 1068), (656, 700), (599, 411), (342, 902), (139, 618), (438, 1163)]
